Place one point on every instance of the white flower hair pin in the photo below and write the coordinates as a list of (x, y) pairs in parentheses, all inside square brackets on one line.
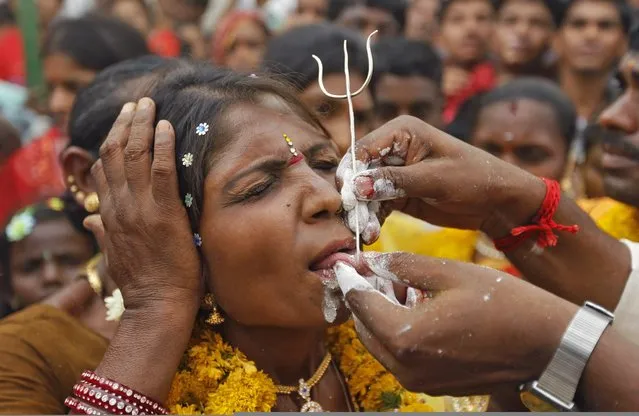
[(202, 129), (114, 305)]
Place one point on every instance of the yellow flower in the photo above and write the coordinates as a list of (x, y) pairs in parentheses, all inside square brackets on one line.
[(184, 410), (215, 378), (242, 392), (416, 407)]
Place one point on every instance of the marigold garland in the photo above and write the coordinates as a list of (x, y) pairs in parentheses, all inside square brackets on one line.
[(215, 378)]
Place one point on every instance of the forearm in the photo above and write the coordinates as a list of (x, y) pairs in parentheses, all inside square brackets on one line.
[(589, 265), (147, 348), (611, 379)]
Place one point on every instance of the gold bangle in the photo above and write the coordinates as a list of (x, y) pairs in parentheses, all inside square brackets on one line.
[(93, 277)]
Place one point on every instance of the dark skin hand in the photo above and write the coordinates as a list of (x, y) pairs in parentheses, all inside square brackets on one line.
[(453, 344), (449, 183), (139, 201)]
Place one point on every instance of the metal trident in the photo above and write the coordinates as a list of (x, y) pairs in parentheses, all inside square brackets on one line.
[(351, 114)]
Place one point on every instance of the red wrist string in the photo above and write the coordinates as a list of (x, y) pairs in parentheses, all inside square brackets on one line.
[(543, 224)]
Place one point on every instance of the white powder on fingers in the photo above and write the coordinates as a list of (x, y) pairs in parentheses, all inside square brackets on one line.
[(348, 279)]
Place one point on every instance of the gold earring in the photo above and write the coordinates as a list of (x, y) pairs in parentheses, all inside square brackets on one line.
[(215, 317), (71, 182), (92, 203)]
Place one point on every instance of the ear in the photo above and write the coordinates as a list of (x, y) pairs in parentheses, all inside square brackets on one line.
[(76, 162)]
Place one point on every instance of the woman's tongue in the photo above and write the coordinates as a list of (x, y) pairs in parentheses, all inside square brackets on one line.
[(325, 267)]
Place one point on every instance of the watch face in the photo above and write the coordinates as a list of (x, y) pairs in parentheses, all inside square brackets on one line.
[(535, 404)]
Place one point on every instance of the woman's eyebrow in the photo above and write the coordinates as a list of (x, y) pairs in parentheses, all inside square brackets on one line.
[(267, 166)]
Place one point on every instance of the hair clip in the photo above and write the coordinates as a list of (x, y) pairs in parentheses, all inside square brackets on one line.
[(291, 147), (20, 226), (188, 200), (56, 204), (197, 240), (202, 129), (187, 159)]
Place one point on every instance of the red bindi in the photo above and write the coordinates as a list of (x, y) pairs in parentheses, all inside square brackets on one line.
[(294, 160)]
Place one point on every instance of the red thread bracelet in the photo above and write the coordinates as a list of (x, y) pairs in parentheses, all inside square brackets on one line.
[(543, 223)]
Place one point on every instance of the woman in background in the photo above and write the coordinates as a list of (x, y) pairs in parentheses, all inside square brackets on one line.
[(240, 41), (69, 65), (44, 248)]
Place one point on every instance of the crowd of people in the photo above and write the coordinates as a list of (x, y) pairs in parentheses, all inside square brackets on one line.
[(179, 197)]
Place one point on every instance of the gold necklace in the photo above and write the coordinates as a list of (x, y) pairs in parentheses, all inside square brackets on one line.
[(305, 386)]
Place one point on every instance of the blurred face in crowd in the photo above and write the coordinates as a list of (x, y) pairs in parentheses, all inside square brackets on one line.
[(246, 46), (133, 13), (369, 19), (183, 10), (421, 23), (523, 32), (591, 38), (524, 133), (64, 78), (49, 258), (414, 95), (311, 11), (465, 31), (620, 161), (334, 113)]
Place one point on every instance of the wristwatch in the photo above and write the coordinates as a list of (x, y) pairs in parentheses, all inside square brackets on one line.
[(555, 389)]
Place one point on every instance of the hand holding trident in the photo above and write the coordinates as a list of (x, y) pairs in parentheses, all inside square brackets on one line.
[(351, 114)]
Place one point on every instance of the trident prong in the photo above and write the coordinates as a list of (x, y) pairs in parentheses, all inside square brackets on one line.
[(369, 53), (351, 113)]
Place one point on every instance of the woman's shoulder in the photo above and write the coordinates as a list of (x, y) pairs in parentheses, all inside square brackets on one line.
[(43, 352)]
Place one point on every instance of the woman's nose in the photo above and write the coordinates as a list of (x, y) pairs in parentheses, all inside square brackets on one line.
[(322, 201)]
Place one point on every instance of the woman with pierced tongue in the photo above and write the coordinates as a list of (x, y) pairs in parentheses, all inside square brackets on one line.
[(240, 195)]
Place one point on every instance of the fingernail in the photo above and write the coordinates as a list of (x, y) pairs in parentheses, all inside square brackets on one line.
[(163, 126), (128, 108), (144, 103), (364, 187)]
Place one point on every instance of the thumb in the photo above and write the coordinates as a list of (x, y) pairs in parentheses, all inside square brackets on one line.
[(376, 311)]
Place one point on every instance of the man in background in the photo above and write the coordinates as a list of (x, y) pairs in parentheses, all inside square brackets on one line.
[(466, 27), (408, 81)]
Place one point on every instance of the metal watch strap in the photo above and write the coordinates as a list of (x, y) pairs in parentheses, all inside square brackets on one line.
[(564, 371)]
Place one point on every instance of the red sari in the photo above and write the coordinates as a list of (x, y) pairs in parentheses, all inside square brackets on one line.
[(31, 174)]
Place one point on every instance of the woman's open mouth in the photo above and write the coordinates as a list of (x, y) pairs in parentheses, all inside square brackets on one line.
[(335, 252)]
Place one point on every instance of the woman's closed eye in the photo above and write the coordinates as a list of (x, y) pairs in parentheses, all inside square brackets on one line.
[(256, 190)]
